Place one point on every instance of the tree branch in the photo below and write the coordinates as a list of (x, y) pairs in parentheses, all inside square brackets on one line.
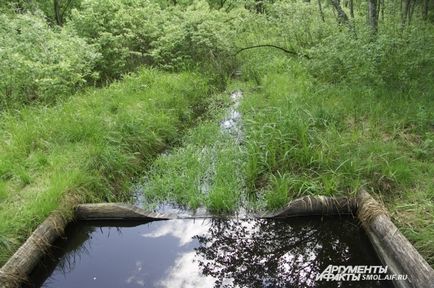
[(272, 46)]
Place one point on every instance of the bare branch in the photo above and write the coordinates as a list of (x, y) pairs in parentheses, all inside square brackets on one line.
[(272, 46)]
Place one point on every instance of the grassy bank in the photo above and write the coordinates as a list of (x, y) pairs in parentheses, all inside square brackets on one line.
[(317, 139), (203, 171), (310, 138), (302, 137), (89, 147)]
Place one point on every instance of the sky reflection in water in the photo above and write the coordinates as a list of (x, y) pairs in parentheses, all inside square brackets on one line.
[(207, 253)]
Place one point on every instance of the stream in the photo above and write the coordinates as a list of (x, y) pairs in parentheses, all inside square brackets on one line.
[(231, 125)]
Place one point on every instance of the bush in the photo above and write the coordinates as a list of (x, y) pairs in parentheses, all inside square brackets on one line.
[(199, 37), (40, 64), (194, 34), (129, 33), (298, 24), (395, 58), (123, 32)]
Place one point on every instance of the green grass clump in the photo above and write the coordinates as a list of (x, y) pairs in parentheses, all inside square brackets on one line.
[(89, 147), (304, 137), (204, 171)]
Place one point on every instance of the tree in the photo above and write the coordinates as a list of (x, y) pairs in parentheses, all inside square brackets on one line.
[(321, 12), (342, 16), (407, 10), (373, 15), (60, 7), (425, 9)]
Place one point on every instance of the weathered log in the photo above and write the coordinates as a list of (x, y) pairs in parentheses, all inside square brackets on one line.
[(116, 211), (392, 247), (22, 263), (317, 205), (25, 259)]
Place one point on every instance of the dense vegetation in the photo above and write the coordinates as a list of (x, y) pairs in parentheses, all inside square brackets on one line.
[(338, 95)]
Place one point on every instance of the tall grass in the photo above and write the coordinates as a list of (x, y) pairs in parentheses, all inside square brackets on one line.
[(305, 137), (89, 147), (204, 171)]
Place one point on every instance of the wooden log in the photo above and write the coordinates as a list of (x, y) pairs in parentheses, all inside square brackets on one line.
[(116, 211), (22, 263), (25, 259), (392, 247), (318, 205)]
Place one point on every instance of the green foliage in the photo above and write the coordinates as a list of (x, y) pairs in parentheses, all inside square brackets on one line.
[(298, 24), (65, 8), (40, 6), (355, 110), (287, 136), (196, 35), (3, 191), (89, 147), (11, 6), (203, 172), (123, 32), (40, 64), (129, 33), (396, 58), (309, 138), (279, 190)]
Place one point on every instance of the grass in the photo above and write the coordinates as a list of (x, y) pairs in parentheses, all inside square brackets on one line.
[(90, 147), (303, 137), (203, 171)]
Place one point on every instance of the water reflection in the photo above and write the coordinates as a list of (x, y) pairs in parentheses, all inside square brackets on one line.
[(257, 255), (232, 123), (263, 253), (186, 273), (207, 253), (183, 230)]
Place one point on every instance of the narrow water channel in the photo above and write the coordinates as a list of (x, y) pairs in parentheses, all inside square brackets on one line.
[(206, 253), (199, 167)]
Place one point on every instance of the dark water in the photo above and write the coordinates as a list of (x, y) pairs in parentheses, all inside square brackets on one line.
[(207, 253)]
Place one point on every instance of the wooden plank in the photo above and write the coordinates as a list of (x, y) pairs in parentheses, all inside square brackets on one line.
[(392, 247), (316, 205)]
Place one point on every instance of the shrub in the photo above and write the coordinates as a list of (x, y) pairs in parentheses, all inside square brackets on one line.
[(298, 24), (129, 33), (121, 30), (396, 58), (40, 64)]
